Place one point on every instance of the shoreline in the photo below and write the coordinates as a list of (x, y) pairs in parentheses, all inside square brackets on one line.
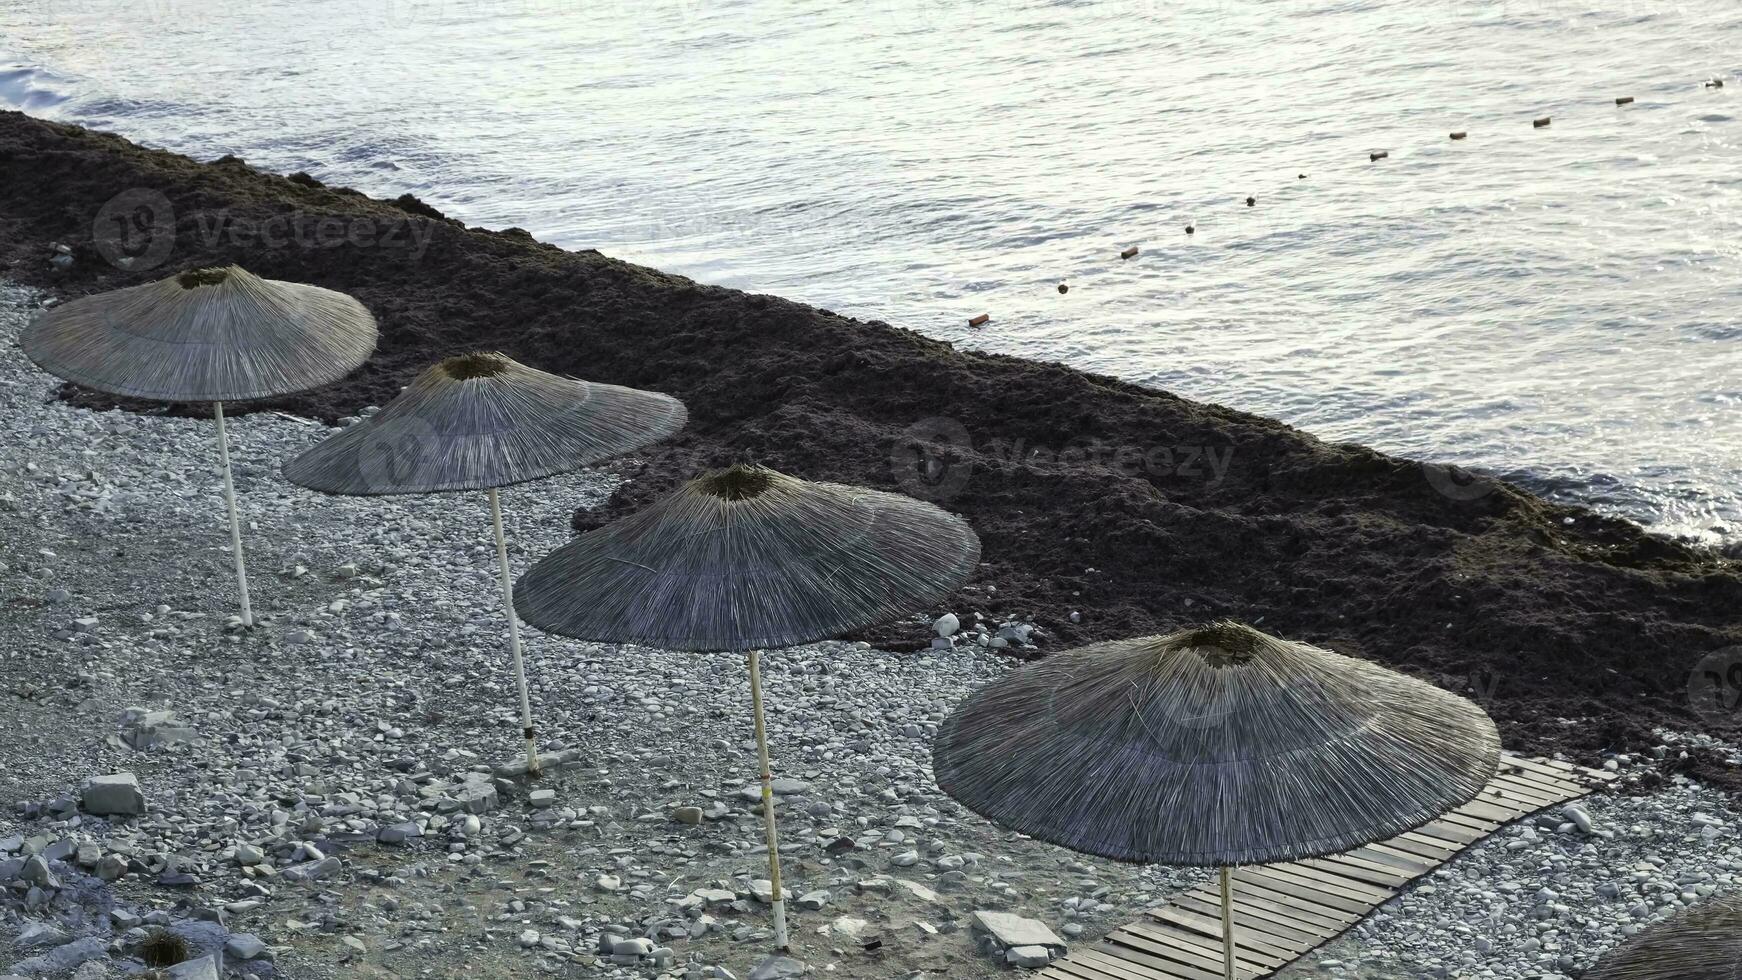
[(1107, 510)]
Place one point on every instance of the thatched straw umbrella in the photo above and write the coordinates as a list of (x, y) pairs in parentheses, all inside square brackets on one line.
[(207, 335), (1701, 943), (1213, 747), (747, 559), (481, 422)]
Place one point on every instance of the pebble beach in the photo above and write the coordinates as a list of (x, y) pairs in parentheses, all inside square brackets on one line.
[(332, 794)]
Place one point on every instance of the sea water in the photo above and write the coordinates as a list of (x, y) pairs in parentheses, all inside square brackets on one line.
[(1561, 305)]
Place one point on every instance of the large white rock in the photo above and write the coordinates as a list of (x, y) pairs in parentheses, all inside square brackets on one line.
[(1010, 931)]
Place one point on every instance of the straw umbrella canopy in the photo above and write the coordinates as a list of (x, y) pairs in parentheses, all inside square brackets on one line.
[(206, 335), (483, 421), (1701, 943), (1213, 747), (747, 559)]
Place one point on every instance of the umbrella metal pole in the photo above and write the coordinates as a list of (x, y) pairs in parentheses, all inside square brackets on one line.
[(768, 826), (532, 768), (1227, 925), (235, 519)]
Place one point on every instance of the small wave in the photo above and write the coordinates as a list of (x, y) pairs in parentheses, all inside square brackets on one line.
[(30, 88)]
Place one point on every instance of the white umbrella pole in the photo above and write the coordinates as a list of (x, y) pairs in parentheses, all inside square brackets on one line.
[(235, 519), (780, 942), (514, 635), (1227, 925)]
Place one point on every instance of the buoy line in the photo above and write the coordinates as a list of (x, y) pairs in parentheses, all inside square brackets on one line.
[(1374, 157)]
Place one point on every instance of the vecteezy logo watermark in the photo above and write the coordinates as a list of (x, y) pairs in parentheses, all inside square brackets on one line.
[(935, 458), (931, 461), (309, 231), (136, 231), (1715, 686), (403, 454)]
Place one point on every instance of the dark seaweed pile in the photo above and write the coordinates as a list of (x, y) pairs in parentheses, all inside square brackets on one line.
[(1106, 509)]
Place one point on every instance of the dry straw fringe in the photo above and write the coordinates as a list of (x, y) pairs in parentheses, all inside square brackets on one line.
[(485, 420), (749, 558), (1213, 747), (202, 336), (1701, 943)]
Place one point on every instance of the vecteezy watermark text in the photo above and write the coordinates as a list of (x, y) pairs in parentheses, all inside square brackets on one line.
[(934, 459), (137, 230)]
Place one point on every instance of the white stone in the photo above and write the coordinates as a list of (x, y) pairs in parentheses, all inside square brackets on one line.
[(1010, 930)]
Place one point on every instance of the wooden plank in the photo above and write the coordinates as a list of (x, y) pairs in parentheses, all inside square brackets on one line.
[(1188, 948), (1210, 927), (1278, 907), (1260, 959), (1333, 884), (1356, 869), (1544, 782), (1301, 936), (1426, 848), (1488, 812), (1077, 968), (1162, 957), (1524, 801), (1444, 832), (1283, 912), (1533, 790), (1064, 969), (1561, 773), (1262, 895), (1406, 862), (1148, 966), (1303, 891), (1093, 965), (1483, 826)]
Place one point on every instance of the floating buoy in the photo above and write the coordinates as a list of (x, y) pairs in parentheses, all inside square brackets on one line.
[(1250, 201), (1064, 287), (1129, 253), (980, 320), (1624, 100), (1715, 83), (1539, 123), (1460, 134), (1378, 155), (1190, 229)]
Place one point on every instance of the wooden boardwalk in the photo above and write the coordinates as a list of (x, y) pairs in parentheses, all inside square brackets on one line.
[(1285, 911)]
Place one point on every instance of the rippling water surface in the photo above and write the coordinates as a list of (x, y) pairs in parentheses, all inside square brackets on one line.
[(1560, 305)]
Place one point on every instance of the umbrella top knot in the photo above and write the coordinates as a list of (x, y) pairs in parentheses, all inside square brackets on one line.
[(736, 482), (478, 364), (195, 278), (1221, 644)]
